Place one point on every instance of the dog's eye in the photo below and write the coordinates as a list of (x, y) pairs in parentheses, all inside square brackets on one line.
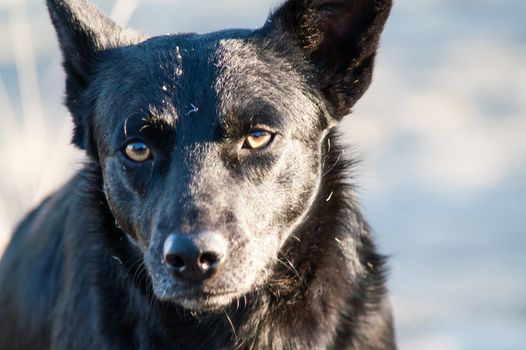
[(257, 139), (138, 151)]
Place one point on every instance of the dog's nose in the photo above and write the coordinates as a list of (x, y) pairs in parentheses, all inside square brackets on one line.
[(194, 257)]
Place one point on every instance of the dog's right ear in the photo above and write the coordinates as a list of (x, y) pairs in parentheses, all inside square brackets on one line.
[(338, 38), (83, 33)]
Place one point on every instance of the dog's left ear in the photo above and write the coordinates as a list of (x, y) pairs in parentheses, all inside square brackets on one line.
[(339, 38)]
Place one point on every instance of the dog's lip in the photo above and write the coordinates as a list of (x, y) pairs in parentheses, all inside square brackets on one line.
[(203, 294), (200, 300)]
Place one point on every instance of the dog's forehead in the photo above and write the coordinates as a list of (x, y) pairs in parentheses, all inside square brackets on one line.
[(248, 70), (154, 75), (214, 76)]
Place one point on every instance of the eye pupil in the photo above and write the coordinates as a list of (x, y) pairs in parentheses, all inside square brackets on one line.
[(138, 151), (257, 139), (258, 134), (138, 147)]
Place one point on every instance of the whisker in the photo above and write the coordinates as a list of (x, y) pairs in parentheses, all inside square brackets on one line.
[(231, 324)]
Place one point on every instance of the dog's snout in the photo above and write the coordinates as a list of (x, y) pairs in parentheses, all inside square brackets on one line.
[(194, 257)]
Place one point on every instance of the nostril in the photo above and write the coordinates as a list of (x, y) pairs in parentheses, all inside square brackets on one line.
[(175, 261), (179, 252), (208, 261)]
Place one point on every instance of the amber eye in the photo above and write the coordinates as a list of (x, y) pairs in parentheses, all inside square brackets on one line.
[(138, 151), (257, 139)]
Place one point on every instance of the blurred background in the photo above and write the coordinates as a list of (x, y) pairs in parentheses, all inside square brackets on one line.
[(442, 135)]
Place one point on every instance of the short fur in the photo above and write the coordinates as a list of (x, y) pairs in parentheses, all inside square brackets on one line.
[(85, 269)]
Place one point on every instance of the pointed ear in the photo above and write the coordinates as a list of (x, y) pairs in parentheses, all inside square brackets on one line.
[(339, 38), (83, 33)]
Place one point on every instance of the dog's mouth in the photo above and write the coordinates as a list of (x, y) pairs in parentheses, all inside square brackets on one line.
[(200, 300), (198, 282)]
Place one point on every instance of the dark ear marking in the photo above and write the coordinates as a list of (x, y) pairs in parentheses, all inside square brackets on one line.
[(339, 38), (83, 33)]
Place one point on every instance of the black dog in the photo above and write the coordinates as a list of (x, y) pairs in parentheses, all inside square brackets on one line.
[(214, 210)]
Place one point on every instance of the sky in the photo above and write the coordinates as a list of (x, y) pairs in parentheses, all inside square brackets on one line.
[(440, 135)]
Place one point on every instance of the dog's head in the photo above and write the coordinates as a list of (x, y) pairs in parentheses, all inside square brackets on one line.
[(210, 145)]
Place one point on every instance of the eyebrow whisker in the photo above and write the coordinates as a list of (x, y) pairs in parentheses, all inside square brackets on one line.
[(126, 127), (144, 127)]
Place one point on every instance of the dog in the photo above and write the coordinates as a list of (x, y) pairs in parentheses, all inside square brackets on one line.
[(214, 210)]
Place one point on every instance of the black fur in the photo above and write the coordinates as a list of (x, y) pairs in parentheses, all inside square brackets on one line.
[(85, 270)]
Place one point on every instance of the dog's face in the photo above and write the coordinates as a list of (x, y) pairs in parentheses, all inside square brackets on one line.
[(210, 145), (200, 134)]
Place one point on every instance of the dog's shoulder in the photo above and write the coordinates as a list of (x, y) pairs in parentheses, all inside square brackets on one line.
[(32, 269)]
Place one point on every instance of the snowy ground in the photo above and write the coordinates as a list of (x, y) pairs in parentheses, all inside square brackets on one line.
[(441, 131)]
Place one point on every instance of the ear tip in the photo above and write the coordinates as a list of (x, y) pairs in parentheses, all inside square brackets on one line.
[(383, 5), (66, 10), (54, 5)]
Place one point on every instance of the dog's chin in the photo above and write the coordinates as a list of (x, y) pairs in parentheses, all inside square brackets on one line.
[(198, 300), (206, 303)]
